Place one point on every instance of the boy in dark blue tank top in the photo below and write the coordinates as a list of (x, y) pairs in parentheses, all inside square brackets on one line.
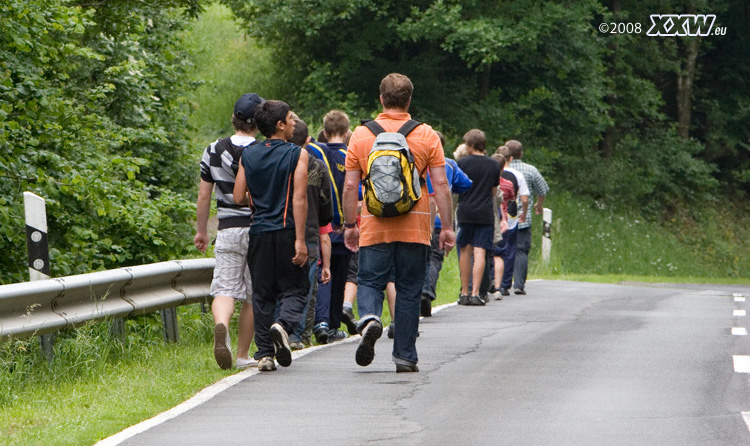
[(272, 179)]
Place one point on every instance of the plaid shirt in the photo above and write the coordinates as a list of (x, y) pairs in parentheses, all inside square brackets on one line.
[(537, 186)]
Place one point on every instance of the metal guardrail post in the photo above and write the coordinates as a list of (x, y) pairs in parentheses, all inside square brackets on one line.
[(169, 324), (35, 210)]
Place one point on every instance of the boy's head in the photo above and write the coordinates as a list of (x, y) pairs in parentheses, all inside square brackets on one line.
[(475, 140), (500, 159), (243, 116), (505, 152), (301, 133), (274, 119), (515, 147), (395, 91), (335, 124)]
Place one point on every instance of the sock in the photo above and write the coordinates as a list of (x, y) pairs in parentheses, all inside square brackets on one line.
[(348, 305)]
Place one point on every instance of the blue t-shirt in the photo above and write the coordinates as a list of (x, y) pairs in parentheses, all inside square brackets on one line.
[(269, 171)]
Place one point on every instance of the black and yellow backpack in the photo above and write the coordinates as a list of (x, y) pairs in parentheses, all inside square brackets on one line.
[(392, 185)]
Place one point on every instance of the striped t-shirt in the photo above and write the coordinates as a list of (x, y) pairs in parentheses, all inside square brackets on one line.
[(219, 165)]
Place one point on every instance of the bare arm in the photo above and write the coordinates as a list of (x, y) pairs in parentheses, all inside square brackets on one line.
[(204, 208), (239, 194), (539, 204), (325, 255), (445, 207), (349, 203), (299, 207), (525, 207)]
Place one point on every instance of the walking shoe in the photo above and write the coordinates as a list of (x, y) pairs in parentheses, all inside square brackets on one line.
[(243, 363), (266, 364), (486, 297), (391, 331), (295, 342), (336, 335), (321, 332), (281, 344), (347, 317), (504, 292), (521, 292), (476, 301), (403, 368), (366, 350), (463, 299), (222, 346), (497, 295), (425, 309)]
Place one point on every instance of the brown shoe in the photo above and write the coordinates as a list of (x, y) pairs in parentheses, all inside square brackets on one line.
[(222, 347)]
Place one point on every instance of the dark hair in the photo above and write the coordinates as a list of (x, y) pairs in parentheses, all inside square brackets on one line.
[(475, 139), (396, 90), (336, 123), (268, 114), (322, 136), (515, 147), (300, 133), (442, 138), (241, 125)]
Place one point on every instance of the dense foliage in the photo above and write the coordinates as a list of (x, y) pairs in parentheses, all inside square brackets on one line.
[(646, 122), (92, 118)]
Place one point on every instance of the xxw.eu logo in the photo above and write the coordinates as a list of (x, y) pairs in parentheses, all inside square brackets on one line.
[(682, 25)]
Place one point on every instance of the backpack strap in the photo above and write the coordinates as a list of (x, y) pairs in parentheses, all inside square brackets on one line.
[(408, 127), (374, 127)]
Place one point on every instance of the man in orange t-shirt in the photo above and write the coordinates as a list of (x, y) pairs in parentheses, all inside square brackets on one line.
[(403, 241)]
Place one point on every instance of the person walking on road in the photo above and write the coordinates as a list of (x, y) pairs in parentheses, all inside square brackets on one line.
[(231, 281), (537, 188), (402, 241)]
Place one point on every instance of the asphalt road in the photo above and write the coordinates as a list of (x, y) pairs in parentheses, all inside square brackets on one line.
[(568, 364)]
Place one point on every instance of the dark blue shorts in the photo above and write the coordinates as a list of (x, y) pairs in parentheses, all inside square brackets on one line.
[(478, 236)]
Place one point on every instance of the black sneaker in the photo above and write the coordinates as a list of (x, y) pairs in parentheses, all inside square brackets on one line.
[(336, 335), (504, 292), (476, 301), (390, 331), (366, 350), (403, 368), (463, 299), (521, 292), (321, 332), (281, 344), (425, 309), (347, 317)]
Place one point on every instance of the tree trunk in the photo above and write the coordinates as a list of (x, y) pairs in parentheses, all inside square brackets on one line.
[(484, 89), (685, 78), (607, 144)]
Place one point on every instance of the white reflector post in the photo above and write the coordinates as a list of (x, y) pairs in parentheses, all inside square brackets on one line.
[(36, 236), (546, 235)]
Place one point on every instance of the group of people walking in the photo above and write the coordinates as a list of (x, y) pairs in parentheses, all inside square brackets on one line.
[(299, 237)]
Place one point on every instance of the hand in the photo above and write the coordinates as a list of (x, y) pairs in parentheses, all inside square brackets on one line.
[(201, 241), (522, 217), (351, 239), (538, 208), (503, 226), (300, 253), (325, 275), (447, 240)]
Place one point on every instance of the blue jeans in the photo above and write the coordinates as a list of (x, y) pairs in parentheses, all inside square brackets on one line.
[(375, 263)]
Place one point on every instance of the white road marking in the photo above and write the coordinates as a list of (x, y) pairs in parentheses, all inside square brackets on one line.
[(739, 331), (739, 299), (739, 313), (737, 295), (746, 417), (741, 363)]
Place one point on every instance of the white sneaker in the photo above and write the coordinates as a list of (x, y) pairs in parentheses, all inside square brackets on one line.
[(266, 364), (243, 363)]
